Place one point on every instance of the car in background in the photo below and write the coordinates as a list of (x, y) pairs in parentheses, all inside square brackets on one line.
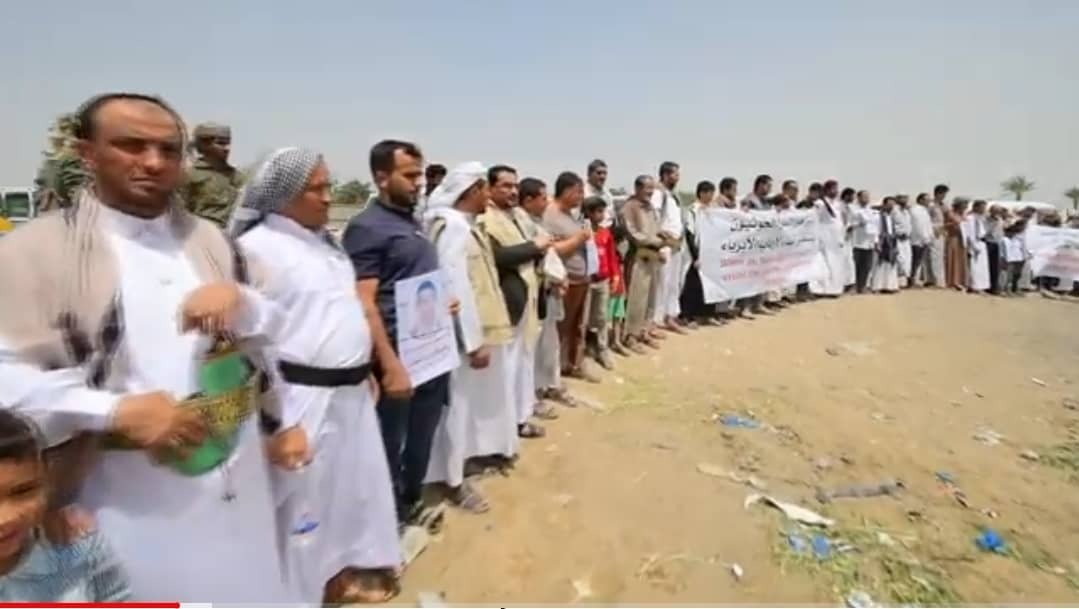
[(16, 207)]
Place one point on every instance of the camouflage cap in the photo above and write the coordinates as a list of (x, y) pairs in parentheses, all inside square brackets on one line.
[(205, 130)]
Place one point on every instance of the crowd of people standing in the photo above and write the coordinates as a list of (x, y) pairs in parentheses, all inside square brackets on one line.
[(203, 395)]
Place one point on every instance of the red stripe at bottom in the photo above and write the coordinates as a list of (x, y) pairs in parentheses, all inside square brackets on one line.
[(79, 605)]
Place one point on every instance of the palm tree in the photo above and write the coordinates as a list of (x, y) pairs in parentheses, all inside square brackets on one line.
[(1018, 186), (1073, 194)]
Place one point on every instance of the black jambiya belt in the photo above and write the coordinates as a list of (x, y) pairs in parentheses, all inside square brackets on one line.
[(299, 374)]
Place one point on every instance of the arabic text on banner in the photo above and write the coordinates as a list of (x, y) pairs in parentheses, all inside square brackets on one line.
[(426, 343), (1055, 252), (747, 253)]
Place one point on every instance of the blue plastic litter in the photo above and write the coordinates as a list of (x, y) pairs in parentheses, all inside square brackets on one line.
[(734, 420), (797, 543), (946, 477), (819, 545), (822, 547), (991, 541)]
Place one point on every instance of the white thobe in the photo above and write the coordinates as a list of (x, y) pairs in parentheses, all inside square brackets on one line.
[(346, 489), (977, 252), (207, 538), (830, 259), (865, 228), (672, 273), (921, 226), (481, 420), (843, 210)]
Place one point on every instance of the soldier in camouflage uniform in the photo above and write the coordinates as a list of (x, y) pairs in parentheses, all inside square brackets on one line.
[(211, 185), (62, 172)]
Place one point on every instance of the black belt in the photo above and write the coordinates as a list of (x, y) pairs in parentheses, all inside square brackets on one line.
[(299, 374)]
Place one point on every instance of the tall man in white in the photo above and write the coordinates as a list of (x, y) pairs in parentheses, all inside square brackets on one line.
[(672, 272), (337, 522), (91, 343), (481, 418)]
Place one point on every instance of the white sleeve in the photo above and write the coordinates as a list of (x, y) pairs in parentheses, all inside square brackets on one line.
[(260, 319), (452, 250), (57, 400), (262, 324)]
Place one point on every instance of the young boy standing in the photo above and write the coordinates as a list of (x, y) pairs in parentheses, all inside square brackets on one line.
[(606, 281)]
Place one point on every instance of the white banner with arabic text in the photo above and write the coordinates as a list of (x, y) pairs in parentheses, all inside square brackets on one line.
[(1054, 251), (748, 253)]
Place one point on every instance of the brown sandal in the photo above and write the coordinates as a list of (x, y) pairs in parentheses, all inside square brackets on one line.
[(530, 431), (354, 586)]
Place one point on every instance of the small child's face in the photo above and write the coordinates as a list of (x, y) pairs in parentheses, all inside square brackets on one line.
[(596, 215), (22, 503)]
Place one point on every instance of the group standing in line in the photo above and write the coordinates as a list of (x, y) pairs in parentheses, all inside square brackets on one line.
[(203, 396)]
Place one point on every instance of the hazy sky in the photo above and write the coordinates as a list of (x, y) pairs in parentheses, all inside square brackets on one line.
[(881, 95)]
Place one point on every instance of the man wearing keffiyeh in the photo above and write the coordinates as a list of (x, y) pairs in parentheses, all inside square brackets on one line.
[(90, 347), (481, 418), (336, 518)]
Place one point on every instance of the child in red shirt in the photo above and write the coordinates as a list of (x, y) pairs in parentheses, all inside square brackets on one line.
[(610, 270)]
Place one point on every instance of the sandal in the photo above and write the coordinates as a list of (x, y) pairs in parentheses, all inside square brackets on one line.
[(469, 499), (544, 411), (530, 431), (353, 586), (563, 397)]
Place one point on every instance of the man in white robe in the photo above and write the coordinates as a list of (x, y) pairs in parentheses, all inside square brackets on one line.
[(865, 233), (938, 209), (673, 271), (831, 260), (481, 420), (337, 522), (902, 219), (182, 491), (843, 206), (977, 252)]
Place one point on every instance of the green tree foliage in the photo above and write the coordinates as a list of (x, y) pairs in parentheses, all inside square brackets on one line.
[(353, 193), (1073, 194), (1018, 186)]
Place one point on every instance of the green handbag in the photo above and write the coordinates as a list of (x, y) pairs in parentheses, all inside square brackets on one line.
[(229, 387)]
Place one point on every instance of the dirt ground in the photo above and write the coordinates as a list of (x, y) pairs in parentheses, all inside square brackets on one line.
[(611, 507)]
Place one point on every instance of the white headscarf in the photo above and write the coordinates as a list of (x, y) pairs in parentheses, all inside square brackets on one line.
[(456, 182), (279, 179)]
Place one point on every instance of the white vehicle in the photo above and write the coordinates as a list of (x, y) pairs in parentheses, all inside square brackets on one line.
[(1014, 206)]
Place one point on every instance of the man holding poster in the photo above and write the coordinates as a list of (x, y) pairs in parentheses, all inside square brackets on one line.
[(392, 257)]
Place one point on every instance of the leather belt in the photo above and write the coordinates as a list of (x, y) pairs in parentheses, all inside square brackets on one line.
[(299, 374)]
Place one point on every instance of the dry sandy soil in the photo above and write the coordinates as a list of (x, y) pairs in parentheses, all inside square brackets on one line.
[(612, 508)]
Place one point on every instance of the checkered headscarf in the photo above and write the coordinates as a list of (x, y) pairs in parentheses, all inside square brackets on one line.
[(279, 179)]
